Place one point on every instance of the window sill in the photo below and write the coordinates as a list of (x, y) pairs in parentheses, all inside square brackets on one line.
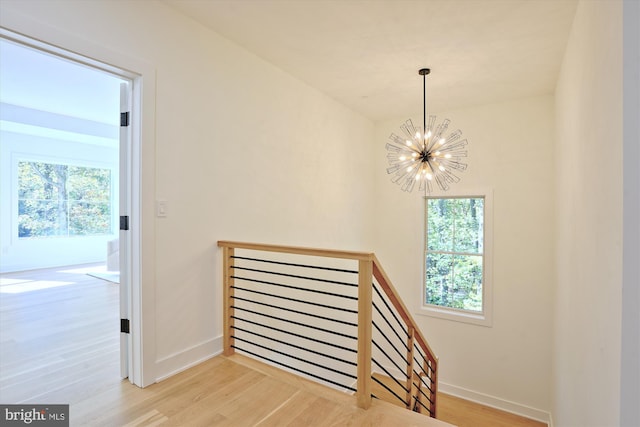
[(481, 319)]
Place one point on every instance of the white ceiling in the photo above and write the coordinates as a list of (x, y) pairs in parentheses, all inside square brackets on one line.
[(366, 54), (33, 79)]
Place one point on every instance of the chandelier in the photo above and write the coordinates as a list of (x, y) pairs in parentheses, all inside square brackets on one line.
[(426, 155)]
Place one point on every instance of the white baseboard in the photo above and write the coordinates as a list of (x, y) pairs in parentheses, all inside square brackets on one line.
[(496, 402), (181, 361)]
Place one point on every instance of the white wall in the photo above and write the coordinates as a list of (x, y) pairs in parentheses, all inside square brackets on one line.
[(511, 152), (586, 375), (243, 152)]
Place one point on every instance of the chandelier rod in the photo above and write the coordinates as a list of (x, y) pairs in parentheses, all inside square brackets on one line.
[(423, 72)]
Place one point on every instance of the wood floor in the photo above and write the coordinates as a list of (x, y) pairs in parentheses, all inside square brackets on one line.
[(59, 343), (464, 413), (460, 412), (236, 391), (59, 334)]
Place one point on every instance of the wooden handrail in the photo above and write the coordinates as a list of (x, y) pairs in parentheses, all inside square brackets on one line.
[(368, 268), (327, 253)]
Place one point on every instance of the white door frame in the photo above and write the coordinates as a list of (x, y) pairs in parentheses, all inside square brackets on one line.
[(124, 233), (22, 29)]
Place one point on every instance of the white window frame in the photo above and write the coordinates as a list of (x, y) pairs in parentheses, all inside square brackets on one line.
[(485, 317)]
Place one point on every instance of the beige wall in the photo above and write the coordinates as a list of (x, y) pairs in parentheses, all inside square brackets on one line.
[(242, 151), (586, 375), (510, 152)]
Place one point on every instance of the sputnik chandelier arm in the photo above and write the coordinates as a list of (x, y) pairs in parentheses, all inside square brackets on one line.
[(424, 155)]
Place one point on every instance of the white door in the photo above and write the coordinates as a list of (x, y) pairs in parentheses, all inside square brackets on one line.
[(125, 234)]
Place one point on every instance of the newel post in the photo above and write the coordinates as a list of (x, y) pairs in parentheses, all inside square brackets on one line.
[(365, 286), (227, 301)]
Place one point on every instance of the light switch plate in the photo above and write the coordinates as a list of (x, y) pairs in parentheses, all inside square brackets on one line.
[(161, 208)]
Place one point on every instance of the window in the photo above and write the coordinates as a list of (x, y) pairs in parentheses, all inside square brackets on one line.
[(457, 267), (63, 200)]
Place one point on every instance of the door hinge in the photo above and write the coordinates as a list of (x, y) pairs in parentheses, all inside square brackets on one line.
[(124, 119), (124, 222), (124, 326)]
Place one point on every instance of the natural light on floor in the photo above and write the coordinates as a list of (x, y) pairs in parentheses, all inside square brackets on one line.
[(85, 270), (16, 286)]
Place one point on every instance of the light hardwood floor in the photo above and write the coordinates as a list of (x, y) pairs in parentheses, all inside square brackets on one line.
[(60, 344), (236, 391), (460, 412), (59, 334)]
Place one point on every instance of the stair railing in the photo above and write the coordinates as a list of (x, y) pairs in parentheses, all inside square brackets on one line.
[(419, 380), (336, 319)]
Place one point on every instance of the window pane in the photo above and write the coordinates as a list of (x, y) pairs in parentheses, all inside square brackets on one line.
[(468, 225), (467, 273), (41, 218), (42, 181), (89, 218), (454, 281), (439, 283), (89, 184), (440, 225)]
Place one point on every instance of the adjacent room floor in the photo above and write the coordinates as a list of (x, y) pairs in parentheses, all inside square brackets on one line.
[(59, 334)]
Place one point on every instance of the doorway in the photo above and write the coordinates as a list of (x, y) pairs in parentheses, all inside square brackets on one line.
[(65, 183)]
